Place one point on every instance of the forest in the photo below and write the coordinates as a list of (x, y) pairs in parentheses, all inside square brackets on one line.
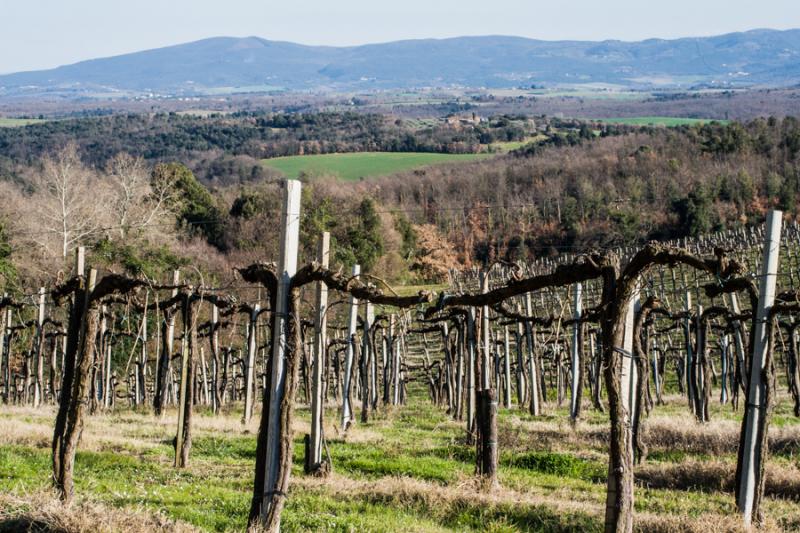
[(572, 189), (516, 343), (224, 149)]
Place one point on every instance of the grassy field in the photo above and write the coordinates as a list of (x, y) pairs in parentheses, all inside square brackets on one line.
[(505, 147), (354, 166), (657, 121), (406, 470), (16, 122)]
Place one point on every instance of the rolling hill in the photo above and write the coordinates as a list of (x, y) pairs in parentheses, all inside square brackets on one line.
[(252, 64)]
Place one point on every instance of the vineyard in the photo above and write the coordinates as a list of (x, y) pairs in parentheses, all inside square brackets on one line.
[(536, 397)]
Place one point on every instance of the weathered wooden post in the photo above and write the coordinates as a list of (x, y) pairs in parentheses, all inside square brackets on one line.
[(314, 451), (688, 366), (628, 375), (577, 367), (486, 336), (595, 354), (738, 338), (386, 350), (183, 439), (535, 407), (366, 361), (101, 363), (249, 388), (459, 392), (471, 348), (5, 360), (394, 350), (657, 383), (486, 442), (724, 345), (373, 370), (38, 388), (168, 344), (752, 449), (520, 365), (213, 341), (278, 442), (141, 374), (106, 344), (347, 408), (506, 368)]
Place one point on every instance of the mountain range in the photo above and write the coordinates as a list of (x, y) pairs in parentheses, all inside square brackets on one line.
[(251, 64)]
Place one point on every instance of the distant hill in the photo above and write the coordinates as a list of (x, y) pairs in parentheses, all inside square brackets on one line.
[(252, 64)]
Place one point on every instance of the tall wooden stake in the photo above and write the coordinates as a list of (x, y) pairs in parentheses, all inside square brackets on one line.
[(506, 369), (38, 388), (535, 408), (576, 362), (751, 454), (366, 362), (252, 346), (486, 336), (5, 356), (320, 340), (347, 408), (287, 267)]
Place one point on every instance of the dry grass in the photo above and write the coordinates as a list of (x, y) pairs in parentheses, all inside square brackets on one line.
[(713, 438), (405, 491), (660, 433), (782, 481), (681, 492), (43, 513), (709, 523)]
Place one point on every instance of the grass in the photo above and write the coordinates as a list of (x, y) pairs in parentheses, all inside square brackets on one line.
[(408, 469), (505, 147), (658, 121), (355, 166), (18, 122)]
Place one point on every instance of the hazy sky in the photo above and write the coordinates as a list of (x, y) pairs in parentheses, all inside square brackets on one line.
[(46, 33)]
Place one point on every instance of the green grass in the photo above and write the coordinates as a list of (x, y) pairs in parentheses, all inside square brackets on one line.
[(407, 469), (503, 147), (657, 121), (17, 122), (355, 166)]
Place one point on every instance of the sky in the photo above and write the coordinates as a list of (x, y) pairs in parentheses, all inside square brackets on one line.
[(40, 34)]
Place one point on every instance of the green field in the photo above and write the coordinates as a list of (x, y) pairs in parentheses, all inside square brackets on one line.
[(657, 121), (16, 122), (354, 166)]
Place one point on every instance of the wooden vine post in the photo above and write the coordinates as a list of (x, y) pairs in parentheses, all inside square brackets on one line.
[(347, 401), (252, 347), (533, 367), (394, 352), (577, 366), (279, 439), (314, 449), (471, 349), (753, 444), (486, 336), (506, 368), (183, 439), (5, 356), (167, 349), (366, 361)]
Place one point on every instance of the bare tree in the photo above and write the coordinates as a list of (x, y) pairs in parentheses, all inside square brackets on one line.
[(69, 199), (138, 201)]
